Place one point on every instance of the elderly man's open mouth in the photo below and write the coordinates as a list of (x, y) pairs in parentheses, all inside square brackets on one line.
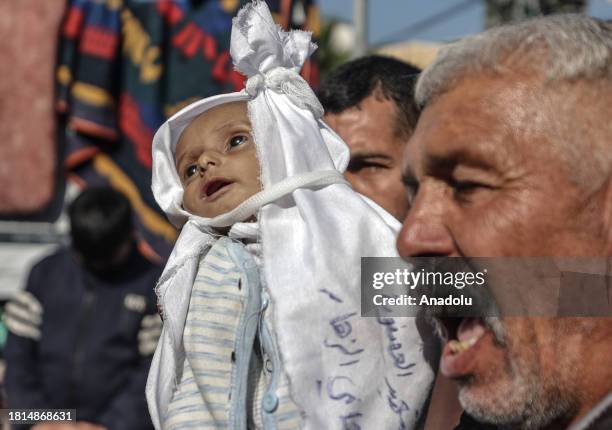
[(465, 340), (469, 332)]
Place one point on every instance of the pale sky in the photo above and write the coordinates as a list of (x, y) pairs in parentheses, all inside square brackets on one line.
[(388, 18)]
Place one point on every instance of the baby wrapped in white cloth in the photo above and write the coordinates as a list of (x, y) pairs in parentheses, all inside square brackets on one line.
[(261, 295)]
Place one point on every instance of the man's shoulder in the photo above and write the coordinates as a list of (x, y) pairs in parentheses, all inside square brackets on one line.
[(61, 256), (58, 270), (60, 263), (144, 267)]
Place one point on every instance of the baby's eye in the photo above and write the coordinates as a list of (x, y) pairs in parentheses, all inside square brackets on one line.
[(191, 170), (237, 140)]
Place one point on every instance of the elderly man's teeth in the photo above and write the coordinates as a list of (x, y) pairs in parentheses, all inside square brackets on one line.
[(460, 346)]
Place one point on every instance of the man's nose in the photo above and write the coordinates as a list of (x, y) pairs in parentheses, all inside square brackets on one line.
[(424, 232)]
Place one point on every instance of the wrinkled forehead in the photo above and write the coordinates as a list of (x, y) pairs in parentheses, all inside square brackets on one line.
[(484, 117), (181, 120)]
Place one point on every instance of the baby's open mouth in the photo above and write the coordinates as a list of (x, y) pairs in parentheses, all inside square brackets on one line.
[(213, 186)]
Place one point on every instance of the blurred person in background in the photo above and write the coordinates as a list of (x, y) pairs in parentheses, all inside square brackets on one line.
[(512, 156), (369, 102), (83, 331)]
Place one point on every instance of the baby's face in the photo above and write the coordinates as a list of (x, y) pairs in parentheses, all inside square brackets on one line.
[(217, 162)]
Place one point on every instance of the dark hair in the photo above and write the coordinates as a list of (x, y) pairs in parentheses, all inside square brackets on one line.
[(352, 82), (100, 222)]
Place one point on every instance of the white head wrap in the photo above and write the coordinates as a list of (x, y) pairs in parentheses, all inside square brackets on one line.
[(314, 229)]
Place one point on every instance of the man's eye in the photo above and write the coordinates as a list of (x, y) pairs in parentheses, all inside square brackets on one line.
[(464, 186), (356, 166), (373, 167), (237, 141), (465, 190), (191, 170)]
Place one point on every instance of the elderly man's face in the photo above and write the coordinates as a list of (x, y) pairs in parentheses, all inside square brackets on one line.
[(370, 131), (488, 180)]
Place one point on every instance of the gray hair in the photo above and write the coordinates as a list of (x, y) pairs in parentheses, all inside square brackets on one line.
[(561, 47)]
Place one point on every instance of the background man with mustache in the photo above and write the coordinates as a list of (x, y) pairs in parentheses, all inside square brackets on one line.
[(512, 156)]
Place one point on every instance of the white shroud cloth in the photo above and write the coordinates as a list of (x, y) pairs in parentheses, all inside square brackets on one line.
[(343, 370)]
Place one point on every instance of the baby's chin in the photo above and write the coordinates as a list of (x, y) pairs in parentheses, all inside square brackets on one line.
[(210, 210)]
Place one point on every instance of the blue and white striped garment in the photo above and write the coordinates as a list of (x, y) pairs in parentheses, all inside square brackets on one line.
[(224, 360)]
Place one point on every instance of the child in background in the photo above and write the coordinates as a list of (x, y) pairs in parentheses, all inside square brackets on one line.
[(261, 295)]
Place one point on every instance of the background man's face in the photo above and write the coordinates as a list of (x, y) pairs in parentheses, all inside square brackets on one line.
[(370, 131), (491, 182)]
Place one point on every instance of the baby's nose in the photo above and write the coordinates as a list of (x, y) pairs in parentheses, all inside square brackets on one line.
[(206, 160)]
